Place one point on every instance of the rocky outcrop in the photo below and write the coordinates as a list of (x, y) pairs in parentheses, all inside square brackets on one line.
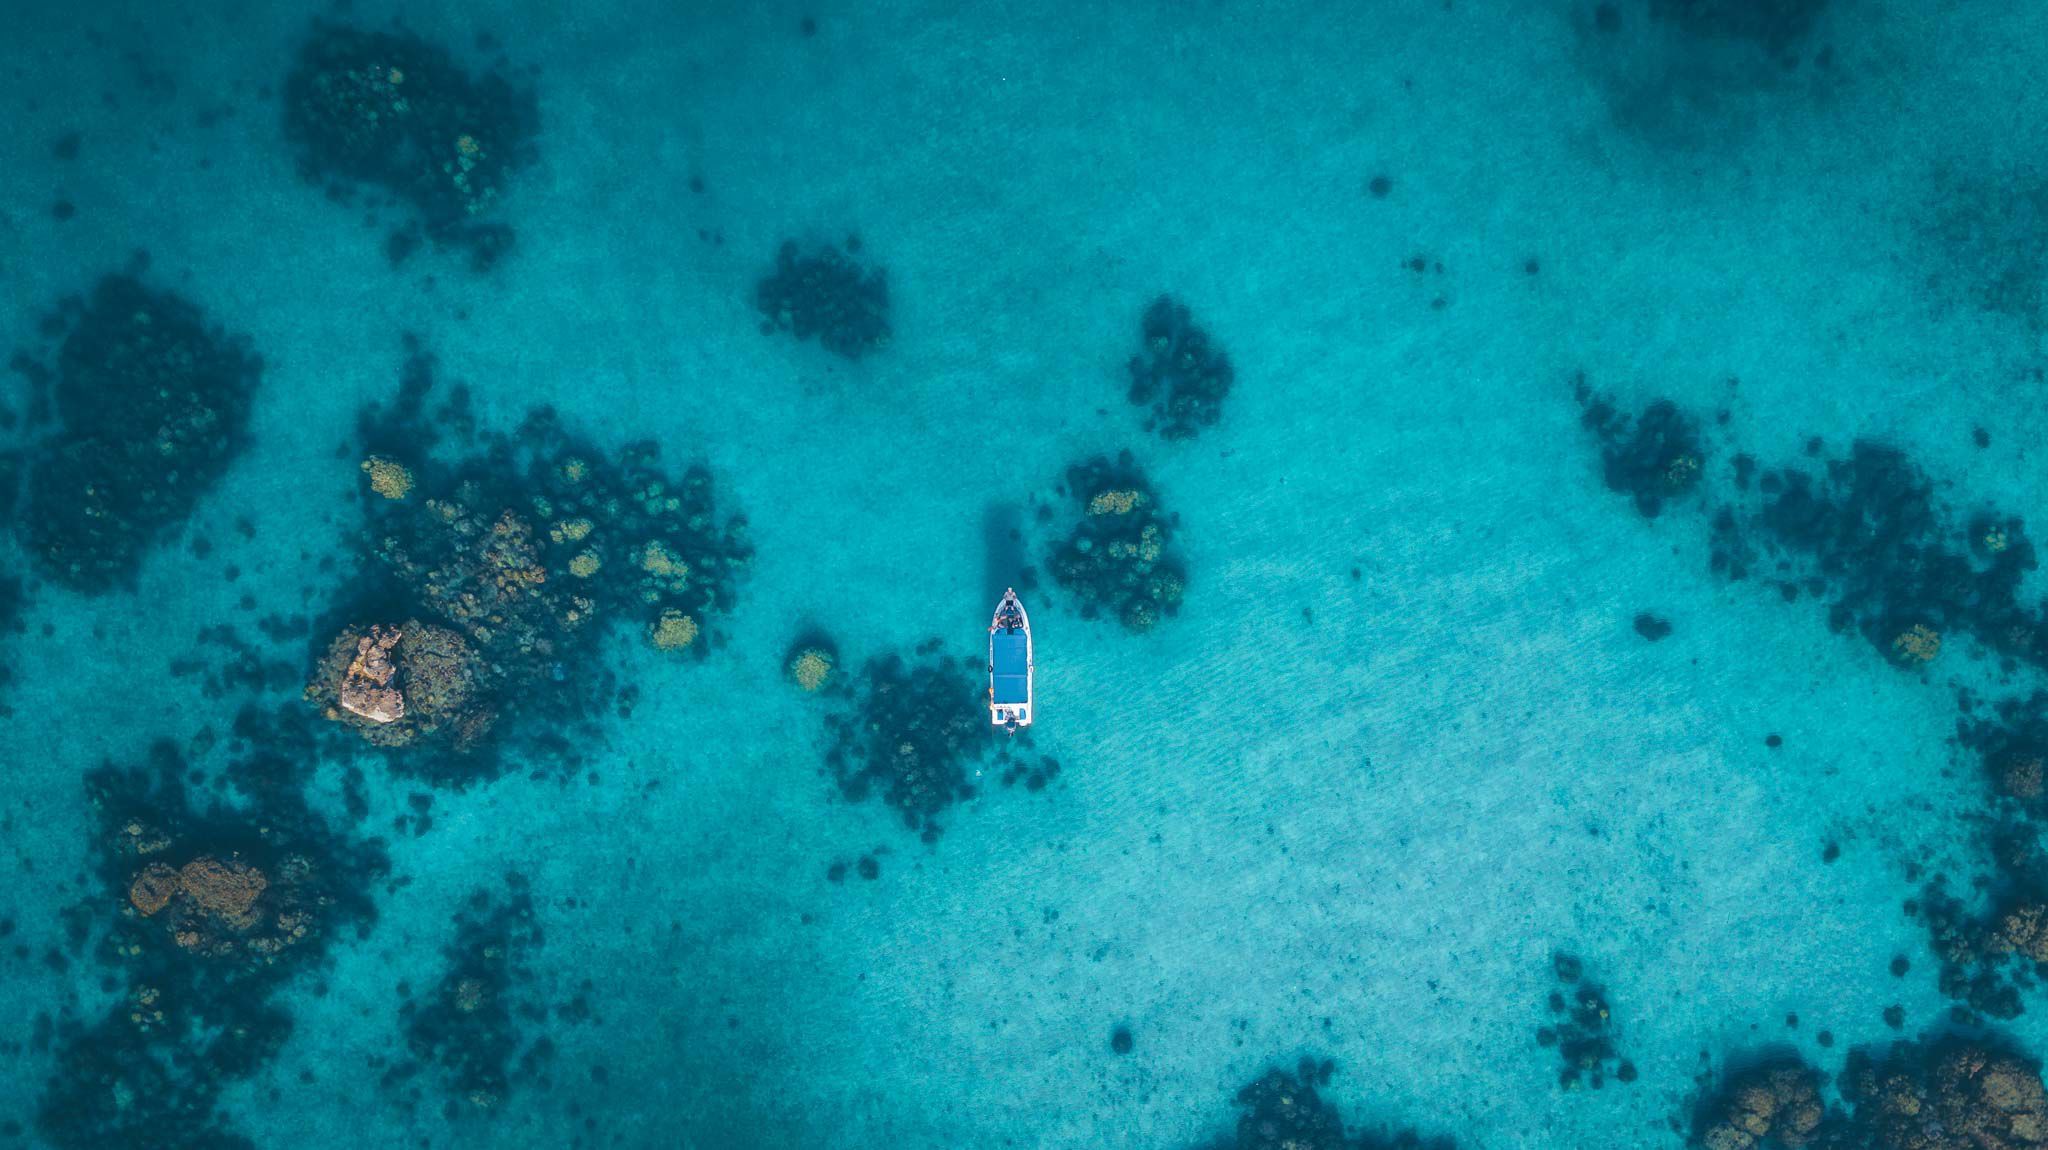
[(366, 688), (217, 906), (396, 684)]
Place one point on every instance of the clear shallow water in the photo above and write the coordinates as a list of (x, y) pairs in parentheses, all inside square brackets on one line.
[(1360, 835)]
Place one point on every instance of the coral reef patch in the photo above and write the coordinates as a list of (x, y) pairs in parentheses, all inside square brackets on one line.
[(468, 1028), (910, 734), (1116, 560), (143, 407), (1864, 533), (1650, 457), (826, 293), (203, 913), (811, 662), (1774, 1104), (493, 574), (1893, 564), (1956, 1092), (1992, 938), (392, 111), (1282, 1110), (1181, 373), (1581, 1030)]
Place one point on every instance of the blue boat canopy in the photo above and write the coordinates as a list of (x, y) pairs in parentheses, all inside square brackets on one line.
[(1006, 651)]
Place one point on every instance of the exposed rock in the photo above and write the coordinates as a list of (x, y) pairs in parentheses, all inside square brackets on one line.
[(366, 688), (395, 684)]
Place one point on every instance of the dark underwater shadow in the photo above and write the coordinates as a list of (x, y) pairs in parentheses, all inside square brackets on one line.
[(1006, 564)]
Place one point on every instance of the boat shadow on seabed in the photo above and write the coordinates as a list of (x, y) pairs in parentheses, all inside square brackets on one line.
[(1006, 566)]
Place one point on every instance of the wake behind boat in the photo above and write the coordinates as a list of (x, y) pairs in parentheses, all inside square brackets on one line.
[(1009, 665)]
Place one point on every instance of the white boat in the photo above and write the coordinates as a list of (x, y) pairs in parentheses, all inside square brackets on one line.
[(1009, 665)]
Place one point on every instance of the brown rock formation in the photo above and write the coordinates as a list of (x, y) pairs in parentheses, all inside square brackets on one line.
[(214, 906), (152, 889), (227, 891), (397, 683), (366, 688)]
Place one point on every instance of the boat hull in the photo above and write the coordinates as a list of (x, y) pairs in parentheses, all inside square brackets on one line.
[(1010, 665)]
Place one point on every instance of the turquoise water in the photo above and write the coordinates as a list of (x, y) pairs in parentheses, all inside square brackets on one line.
[(1315, 813)]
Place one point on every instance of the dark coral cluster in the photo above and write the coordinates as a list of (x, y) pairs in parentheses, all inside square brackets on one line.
[(1992, 940), (1863, 533), (144, 406), (1987, 950), (911, 734), (499, 563), (1954, 1093), (1650, 457), (208, 910), (1116, 560), (1775, 1105), (1283, 1111), (395, 112), (825, 293), (1581, 1030), (1181, 373), (469, 1027), (1893, 564)]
